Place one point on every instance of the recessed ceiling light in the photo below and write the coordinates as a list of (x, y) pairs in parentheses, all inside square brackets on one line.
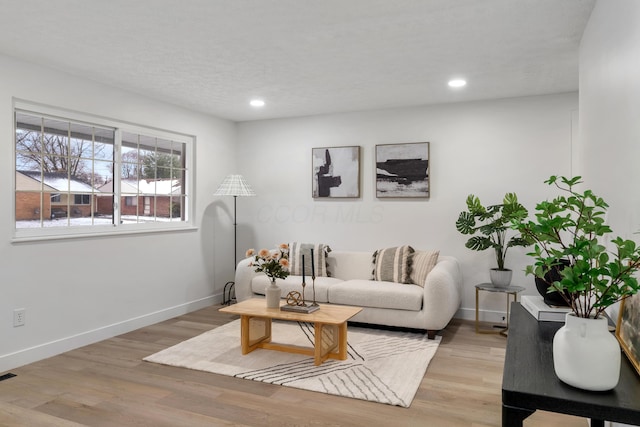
[(457, 83), (257, 103)]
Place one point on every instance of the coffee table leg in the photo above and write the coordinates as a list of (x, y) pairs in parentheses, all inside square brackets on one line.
[(342, 341), (253, 332), (326, 341)]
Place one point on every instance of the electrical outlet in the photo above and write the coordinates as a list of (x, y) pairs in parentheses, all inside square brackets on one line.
[(19, 317)]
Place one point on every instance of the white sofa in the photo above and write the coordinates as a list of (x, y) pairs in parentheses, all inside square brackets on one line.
[(384, 303)]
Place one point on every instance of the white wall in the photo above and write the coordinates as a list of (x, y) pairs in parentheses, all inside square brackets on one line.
[(486, 148), (82, 290), (610, 111)]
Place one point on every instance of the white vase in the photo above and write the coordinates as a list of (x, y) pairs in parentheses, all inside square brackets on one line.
[(273, 293), (500, 278), (585, 354)]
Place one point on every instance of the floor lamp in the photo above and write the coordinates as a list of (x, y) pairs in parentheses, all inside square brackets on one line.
[(233, 185)]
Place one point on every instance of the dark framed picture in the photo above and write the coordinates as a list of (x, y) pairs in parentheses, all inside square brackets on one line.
[(402, 170), (628, 329), (336, 172)]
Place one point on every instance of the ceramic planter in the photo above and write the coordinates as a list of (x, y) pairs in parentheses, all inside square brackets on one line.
[(585, 354), (500, 278)]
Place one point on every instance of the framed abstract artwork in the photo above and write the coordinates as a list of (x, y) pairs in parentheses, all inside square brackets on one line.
[(402, 170), (628, 329), (336, 172)]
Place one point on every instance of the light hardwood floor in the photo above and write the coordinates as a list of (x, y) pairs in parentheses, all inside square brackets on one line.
[(108, 384)]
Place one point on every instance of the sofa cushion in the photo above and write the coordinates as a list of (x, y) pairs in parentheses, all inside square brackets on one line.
[(320, 251), (393, 264), (378, 294), (294, 283), (422, 262)]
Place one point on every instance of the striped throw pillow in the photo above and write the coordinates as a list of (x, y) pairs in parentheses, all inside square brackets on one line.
[(320, 251), (393, 264), (422, 262)]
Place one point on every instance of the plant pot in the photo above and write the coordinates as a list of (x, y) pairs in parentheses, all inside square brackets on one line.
[(500, 278), (585, 354), (553, 275), (273, 293)]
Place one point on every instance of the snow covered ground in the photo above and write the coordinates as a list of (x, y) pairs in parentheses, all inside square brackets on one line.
[(87, 221)]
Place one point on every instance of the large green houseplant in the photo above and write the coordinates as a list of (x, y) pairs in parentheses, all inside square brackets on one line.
[(571, 229), (490, 226)]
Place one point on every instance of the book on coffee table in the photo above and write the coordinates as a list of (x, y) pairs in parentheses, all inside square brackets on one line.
[(300, 308), (542, 311)]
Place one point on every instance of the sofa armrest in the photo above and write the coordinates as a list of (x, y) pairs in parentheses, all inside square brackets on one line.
[(244, 275), (442, 292)]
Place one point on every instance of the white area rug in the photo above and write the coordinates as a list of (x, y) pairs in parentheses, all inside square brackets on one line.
[(382, 366)]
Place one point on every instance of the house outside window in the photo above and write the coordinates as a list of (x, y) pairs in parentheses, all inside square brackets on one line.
[(78, 174)]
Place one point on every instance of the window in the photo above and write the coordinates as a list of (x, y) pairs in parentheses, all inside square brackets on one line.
[(82, 199), (79, 175)]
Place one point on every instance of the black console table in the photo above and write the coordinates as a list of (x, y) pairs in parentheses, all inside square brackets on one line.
[(530, 383)]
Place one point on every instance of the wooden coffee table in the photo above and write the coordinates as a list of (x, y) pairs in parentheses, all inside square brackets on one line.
[(330, 328)]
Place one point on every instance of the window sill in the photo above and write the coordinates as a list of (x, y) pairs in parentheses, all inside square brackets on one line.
[(94, 234)]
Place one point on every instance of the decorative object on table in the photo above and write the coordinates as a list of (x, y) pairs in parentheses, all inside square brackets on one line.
[(391, 362), (542, 285), (572, 227), (313, 279), (542, 311), (294, 298), (402, 170), (275, 264), (300, 305), (628, 329), (233, 185), (336, 172), (492, 223)]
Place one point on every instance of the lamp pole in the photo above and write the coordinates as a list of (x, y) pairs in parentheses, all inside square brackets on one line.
[(233, 185), (235, 235)]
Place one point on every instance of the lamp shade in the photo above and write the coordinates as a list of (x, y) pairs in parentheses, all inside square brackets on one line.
[(234, 185)]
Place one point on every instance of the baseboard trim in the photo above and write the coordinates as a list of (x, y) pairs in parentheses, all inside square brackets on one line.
[(492, 316), (52, 348)]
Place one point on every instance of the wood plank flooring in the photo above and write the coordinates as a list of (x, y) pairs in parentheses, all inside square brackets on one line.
[(108, 384)]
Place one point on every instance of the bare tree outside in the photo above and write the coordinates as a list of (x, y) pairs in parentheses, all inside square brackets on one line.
[(53, 153)]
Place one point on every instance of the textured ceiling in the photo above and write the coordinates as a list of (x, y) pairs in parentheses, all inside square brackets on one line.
[(304, 57)]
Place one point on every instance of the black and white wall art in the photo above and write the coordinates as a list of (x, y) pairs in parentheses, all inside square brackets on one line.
[(336, 172), (402, 170)]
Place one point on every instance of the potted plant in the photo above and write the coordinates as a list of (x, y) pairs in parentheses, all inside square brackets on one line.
[(571, 227), (490, 225)]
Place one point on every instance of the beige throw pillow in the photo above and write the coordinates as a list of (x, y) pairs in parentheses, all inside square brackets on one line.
[(320, 251), (422, 263)]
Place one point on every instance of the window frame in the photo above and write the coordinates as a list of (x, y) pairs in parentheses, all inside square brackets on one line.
[(118, 227)]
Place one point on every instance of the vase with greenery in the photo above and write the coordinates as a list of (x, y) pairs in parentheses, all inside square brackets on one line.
[(275, 264), (490, 227), (598, 272)]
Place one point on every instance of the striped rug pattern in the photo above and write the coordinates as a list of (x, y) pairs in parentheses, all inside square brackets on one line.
[(382, 366)]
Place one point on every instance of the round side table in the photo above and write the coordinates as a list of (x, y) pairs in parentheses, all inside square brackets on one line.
[(489, 287)]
